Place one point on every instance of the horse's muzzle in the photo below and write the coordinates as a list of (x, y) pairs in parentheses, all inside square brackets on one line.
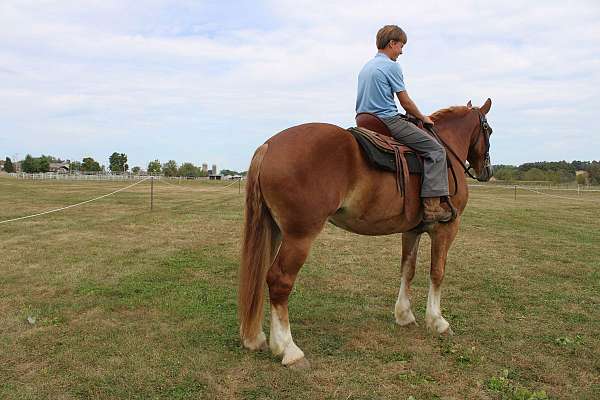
[(486, 174)]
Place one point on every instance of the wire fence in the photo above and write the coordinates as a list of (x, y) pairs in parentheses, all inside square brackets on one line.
[(143, 179), (580, 191), (75, 205)]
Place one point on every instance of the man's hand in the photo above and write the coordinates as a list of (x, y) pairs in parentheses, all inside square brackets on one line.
[(411, 108)]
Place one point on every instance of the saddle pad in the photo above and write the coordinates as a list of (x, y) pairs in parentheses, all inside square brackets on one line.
[(384, 160)]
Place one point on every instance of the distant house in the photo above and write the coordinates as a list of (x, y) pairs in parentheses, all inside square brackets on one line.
[(2, 165), (214, 177), (61, 167)]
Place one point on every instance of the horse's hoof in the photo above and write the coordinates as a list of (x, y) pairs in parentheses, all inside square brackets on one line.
[(407, 322), (264, 346), (257, 344), (404, 317), (447, 333), (439, 327), (299, 364)]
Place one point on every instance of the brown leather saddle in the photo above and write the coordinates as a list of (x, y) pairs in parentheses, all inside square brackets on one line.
[(376, 131)]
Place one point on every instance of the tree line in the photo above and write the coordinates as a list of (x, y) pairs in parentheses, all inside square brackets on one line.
[(551, 171), (117, 164)]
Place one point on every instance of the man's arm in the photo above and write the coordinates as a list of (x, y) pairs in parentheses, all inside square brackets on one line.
[(411, 108)]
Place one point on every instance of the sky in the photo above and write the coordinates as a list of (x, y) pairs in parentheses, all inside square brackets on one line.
[(209, 81)]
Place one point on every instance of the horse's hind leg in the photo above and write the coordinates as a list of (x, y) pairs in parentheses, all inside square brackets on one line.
[(410, 247), (280, 278), (441, 239)]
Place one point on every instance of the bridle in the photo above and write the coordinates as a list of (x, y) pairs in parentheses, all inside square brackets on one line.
[(485, 130)]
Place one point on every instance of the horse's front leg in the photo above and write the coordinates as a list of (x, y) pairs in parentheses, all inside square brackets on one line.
[(441, 239), (410, 248)]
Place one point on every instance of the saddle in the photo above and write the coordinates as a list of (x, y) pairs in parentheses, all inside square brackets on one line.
[(383, 151)]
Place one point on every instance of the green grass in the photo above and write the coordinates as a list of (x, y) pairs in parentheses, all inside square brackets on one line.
[(135, 304)]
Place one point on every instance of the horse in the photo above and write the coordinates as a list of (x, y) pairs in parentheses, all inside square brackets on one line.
[(310, 174)]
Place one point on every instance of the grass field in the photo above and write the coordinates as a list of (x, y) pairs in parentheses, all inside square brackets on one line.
[(135, 304)]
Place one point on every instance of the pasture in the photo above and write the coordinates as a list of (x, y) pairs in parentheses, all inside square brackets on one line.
[(128, 303)]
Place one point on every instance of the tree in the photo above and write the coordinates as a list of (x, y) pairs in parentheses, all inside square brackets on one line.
[(44, 163), (118, 162), (534, 174), (154, 167), (170, 168), (188, 170), (506, 172), (8, 165), (229, 172), (136, 170), (581, 179), (594, 172), (29, 164), (90, 165), (75, 166)]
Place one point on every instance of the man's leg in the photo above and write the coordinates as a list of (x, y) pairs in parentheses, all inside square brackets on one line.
[(435, 171)]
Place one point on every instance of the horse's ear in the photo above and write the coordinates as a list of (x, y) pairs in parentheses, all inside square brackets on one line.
[(485, 108), (469, 105)]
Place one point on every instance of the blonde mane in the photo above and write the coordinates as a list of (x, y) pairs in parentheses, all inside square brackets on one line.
[(450, 112)]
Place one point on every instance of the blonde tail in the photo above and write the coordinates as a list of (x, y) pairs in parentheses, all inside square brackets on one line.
[(257, 249)]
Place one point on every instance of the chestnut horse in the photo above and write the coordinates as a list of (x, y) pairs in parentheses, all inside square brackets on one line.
[(313, 173)]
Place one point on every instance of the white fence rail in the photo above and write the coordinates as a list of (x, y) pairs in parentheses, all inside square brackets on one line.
[(109, 177), (80, 177)]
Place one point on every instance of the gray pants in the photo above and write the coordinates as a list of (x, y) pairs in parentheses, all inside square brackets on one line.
[(435, 170)]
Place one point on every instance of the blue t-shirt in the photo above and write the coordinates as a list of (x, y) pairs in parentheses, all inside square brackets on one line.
[(378, 81)]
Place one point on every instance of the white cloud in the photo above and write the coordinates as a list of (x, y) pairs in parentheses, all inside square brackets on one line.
[(120, 73)]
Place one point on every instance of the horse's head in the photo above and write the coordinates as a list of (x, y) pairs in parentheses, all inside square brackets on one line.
[(479, 148)]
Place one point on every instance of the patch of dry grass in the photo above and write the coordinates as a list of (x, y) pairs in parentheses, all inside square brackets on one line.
[(137, 304)]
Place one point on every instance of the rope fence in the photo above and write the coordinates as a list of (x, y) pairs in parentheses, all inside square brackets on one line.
[(75, 205), (537, 190), (238, 181)]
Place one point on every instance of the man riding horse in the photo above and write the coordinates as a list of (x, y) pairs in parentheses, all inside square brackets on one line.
[(378, 80)]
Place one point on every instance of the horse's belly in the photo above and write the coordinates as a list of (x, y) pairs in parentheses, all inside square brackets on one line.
[(370, 225)]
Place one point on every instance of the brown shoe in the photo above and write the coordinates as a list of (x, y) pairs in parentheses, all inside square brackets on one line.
[(434, 212)]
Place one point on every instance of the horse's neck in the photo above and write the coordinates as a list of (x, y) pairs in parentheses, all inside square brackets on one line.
[(457, 134)]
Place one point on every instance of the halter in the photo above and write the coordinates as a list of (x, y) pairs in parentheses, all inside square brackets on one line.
[(485, 130)]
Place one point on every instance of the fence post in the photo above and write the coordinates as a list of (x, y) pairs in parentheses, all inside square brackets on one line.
[(515, 192), (151, 193), (239, 185)]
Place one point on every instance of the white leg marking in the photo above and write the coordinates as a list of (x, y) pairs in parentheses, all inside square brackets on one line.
[(281, 341), (257, 343), (433, 315), (403, 313)]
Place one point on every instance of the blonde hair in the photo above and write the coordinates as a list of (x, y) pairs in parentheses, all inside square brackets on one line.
[(389, 33)]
